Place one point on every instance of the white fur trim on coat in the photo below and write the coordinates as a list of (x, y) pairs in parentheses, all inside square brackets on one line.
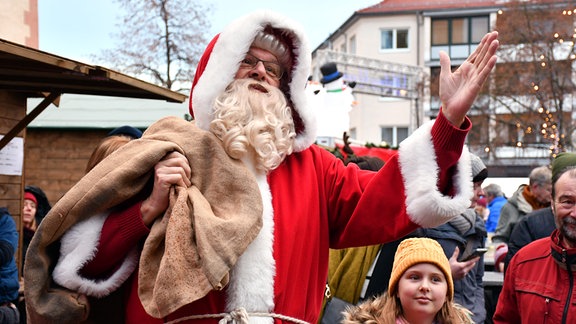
[(230, 49), (79, 246), (425, 204), (252, 278)]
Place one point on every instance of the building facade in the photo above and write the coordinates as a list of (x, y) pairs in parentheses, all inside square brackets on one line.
[(19, 22), (397, 34), (403, 40)]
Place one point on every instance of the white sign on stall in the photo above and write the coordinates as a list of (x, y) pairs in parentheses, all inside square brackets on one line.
[(12, 157)]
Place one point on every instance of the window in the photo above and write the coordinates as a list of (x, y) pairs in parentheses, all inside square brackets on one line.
[(391, 39), (353, 45), (394, 135), (457, 36), (479, 26)]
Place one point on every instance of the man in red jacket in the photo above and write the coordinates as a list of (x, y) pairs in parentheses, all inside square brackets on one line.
[(311, 201), (539, 282)]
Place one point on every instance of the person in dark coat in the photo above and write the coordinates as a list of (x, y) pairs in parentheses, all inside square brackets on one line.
[(459, 237), (9, 284), (36, 206), (536, 225)]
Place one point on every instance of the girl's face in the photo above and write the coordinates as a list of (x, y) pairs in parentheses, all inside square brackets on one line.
[(29, 212), (422, 291)]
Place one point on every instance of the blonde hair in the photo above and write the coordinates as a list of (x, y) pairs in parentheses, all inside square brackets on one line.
[(253, 114), (385, 309), (106, 146)]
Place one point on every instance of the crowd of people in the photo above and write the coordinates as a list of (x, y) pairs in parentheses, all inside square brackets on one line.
[(237, 217)]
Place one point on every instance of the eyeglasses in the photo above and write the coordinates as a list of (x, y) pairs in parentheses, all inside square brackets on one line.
[(273, 69)]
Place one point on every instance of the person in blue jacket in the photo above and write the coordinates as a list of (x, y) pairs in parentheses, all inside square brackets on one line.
[(9, 284), (496, 199)]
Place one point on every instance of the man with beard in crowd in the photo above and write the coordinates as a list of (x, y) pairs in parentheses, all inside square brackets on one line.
[(539, 281)]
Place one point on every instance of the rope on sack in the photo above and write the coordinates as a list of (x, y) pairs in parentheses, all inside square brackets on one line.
[(238, 316)]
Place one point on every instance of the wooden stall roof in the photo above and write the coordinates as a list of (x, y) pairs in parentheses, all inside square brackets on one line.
[(34, 73), (24, 69)]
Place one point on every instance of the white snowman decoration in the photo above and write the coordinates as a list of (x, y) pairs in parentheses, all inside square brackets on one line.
[(332, 102)]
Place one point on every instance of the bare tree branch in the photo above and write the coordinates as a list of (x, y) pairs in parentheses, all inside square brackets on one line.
[(160, 41)]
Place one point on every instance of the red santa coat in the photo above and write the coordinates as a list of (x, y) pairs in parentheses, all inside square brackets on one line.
[(311, 201), (324, 205)]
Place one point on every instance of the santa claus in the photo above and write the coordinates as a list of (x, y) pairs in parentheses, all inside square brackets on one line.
[(247, 240)]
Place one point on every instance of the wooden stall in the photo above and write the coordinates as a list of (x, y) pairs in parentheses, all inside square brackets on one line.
[(29, 73)]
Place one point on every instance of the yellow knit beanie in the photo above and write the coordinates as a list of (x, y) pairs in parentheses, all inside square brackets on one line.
[(419, 250)]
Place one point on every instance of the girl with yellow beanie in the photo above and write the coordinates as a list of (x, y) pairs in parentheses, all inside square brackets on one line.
[(420, 290)]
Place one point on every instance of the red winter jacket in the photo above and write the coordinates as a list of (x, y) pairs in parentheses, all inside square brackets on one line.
[(538, 288)]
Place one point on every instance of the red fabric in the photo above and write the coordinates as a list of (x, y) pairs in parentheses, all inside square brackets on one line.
[(382, 153), (301, 264), (536, 287), (121, 231), (448, 148), (30, 196), (500, 255), (323, 204), (318, 204), (200, 69)]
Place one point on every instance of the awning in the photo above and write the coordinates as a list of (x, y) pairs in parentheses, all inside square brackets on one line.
[(34, 73)]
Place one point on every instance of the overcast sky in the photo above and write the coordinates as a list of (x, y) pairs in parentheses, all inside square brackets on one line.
[(76, 29)]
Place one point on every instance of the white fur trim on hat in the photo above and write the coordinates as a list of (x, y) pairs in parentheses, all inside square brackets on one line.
[(230, 49), (425, 204), (79, 246)]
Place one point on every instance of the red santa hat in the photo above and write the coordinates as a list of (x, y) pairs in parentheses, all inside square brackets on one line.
[(221, 60)]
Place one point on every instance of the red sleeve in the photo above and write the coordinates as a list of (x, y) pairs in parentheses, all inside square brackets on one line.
[(121, 231), (448, 143)]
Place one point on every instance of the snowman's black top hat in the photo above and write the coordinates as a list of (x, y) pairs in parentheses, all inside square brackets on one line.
[(330, 73)]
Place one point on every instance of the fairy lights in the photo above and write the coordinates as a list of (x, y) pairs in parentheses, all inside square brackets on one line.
[(545, 88)]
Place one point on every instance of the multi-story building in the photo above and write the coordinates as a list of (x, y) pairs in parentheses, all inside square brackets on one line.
[(391, 50), (19, 22)]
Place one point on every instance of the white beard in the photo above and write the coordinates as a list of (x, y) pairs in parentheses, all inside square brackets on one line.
[(252, 118)]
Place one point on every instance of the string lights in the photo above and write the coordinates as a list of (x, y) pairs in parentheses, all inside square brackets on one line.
[(548, 89)]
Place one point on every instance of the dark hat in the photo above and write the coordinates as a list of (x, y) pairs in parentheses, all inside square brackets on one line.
[(479, 171), (330, 73), (126, 130), (562, 161)]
